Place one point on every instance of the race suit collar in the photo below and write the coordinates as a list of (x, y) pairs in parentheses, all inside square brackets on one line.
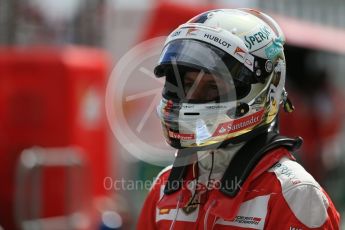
[(220, 204)]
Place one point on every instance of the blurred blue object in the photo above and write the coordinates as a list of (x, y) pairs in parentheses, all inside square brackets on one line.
[(111, 221)]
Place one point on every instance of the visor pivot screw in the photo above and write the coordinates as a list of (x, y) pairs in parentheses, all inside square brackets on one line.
[(269, 66), (241, 110), (258, 72), (234, 30)]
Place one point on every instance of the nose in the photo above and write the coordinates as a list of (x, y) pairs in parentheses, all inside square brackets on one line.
[(200, 86), (196, 93)]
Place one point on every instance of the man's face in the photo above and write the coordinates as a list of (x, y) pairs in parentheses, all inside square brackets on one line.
[(204, 86)]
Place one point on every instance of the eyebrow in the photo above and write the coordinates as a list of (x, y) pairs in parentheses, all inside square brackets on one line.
[(209, 81), (187, 78)]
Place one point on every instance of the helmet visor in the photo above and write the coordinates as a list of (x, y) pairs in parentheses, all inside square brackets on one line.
[(181, 57)]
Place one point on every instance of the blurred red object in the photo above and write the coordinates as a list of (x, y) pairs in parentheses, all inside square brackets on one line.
[(51, 97), (318, 119)]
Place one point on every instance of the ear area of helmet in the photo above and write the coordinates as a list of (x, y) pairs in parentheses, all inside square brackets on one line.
[(262, 69)]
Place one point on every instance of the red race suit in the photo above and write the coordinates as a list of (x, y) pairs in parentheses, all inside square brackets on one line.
[(278, 194)]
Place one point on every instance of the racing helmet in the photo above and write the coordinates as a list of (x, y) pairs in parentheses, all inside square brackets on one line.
[(239, 53)]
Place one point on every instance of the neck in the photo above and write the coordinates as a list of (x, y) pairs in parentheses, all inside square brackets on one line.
[(213, 163)]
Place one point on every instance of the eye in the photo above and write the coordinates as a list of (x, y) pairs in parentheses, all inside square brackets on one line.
[(188, 85), (213, 87)]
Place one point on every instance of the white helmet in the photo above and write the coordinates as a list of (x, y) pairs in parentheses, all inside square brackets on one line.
[(243, 48)]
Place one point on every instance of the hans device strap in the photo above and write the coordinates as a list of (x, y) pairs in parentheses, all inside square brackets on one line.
[(249, 155), (184, 159), (241, 165)]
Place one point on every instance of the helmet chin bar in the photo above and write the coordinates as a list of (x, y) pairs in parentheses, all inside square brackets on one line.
[(188, 155), (233, 141)]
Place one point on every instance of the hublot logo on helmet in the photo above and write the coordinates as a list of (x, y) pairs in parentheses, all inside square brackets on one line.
[(218, 40)]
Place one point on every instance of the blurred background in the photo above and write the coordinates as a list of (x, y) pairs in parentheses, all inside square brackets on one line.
[(60, 161)]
